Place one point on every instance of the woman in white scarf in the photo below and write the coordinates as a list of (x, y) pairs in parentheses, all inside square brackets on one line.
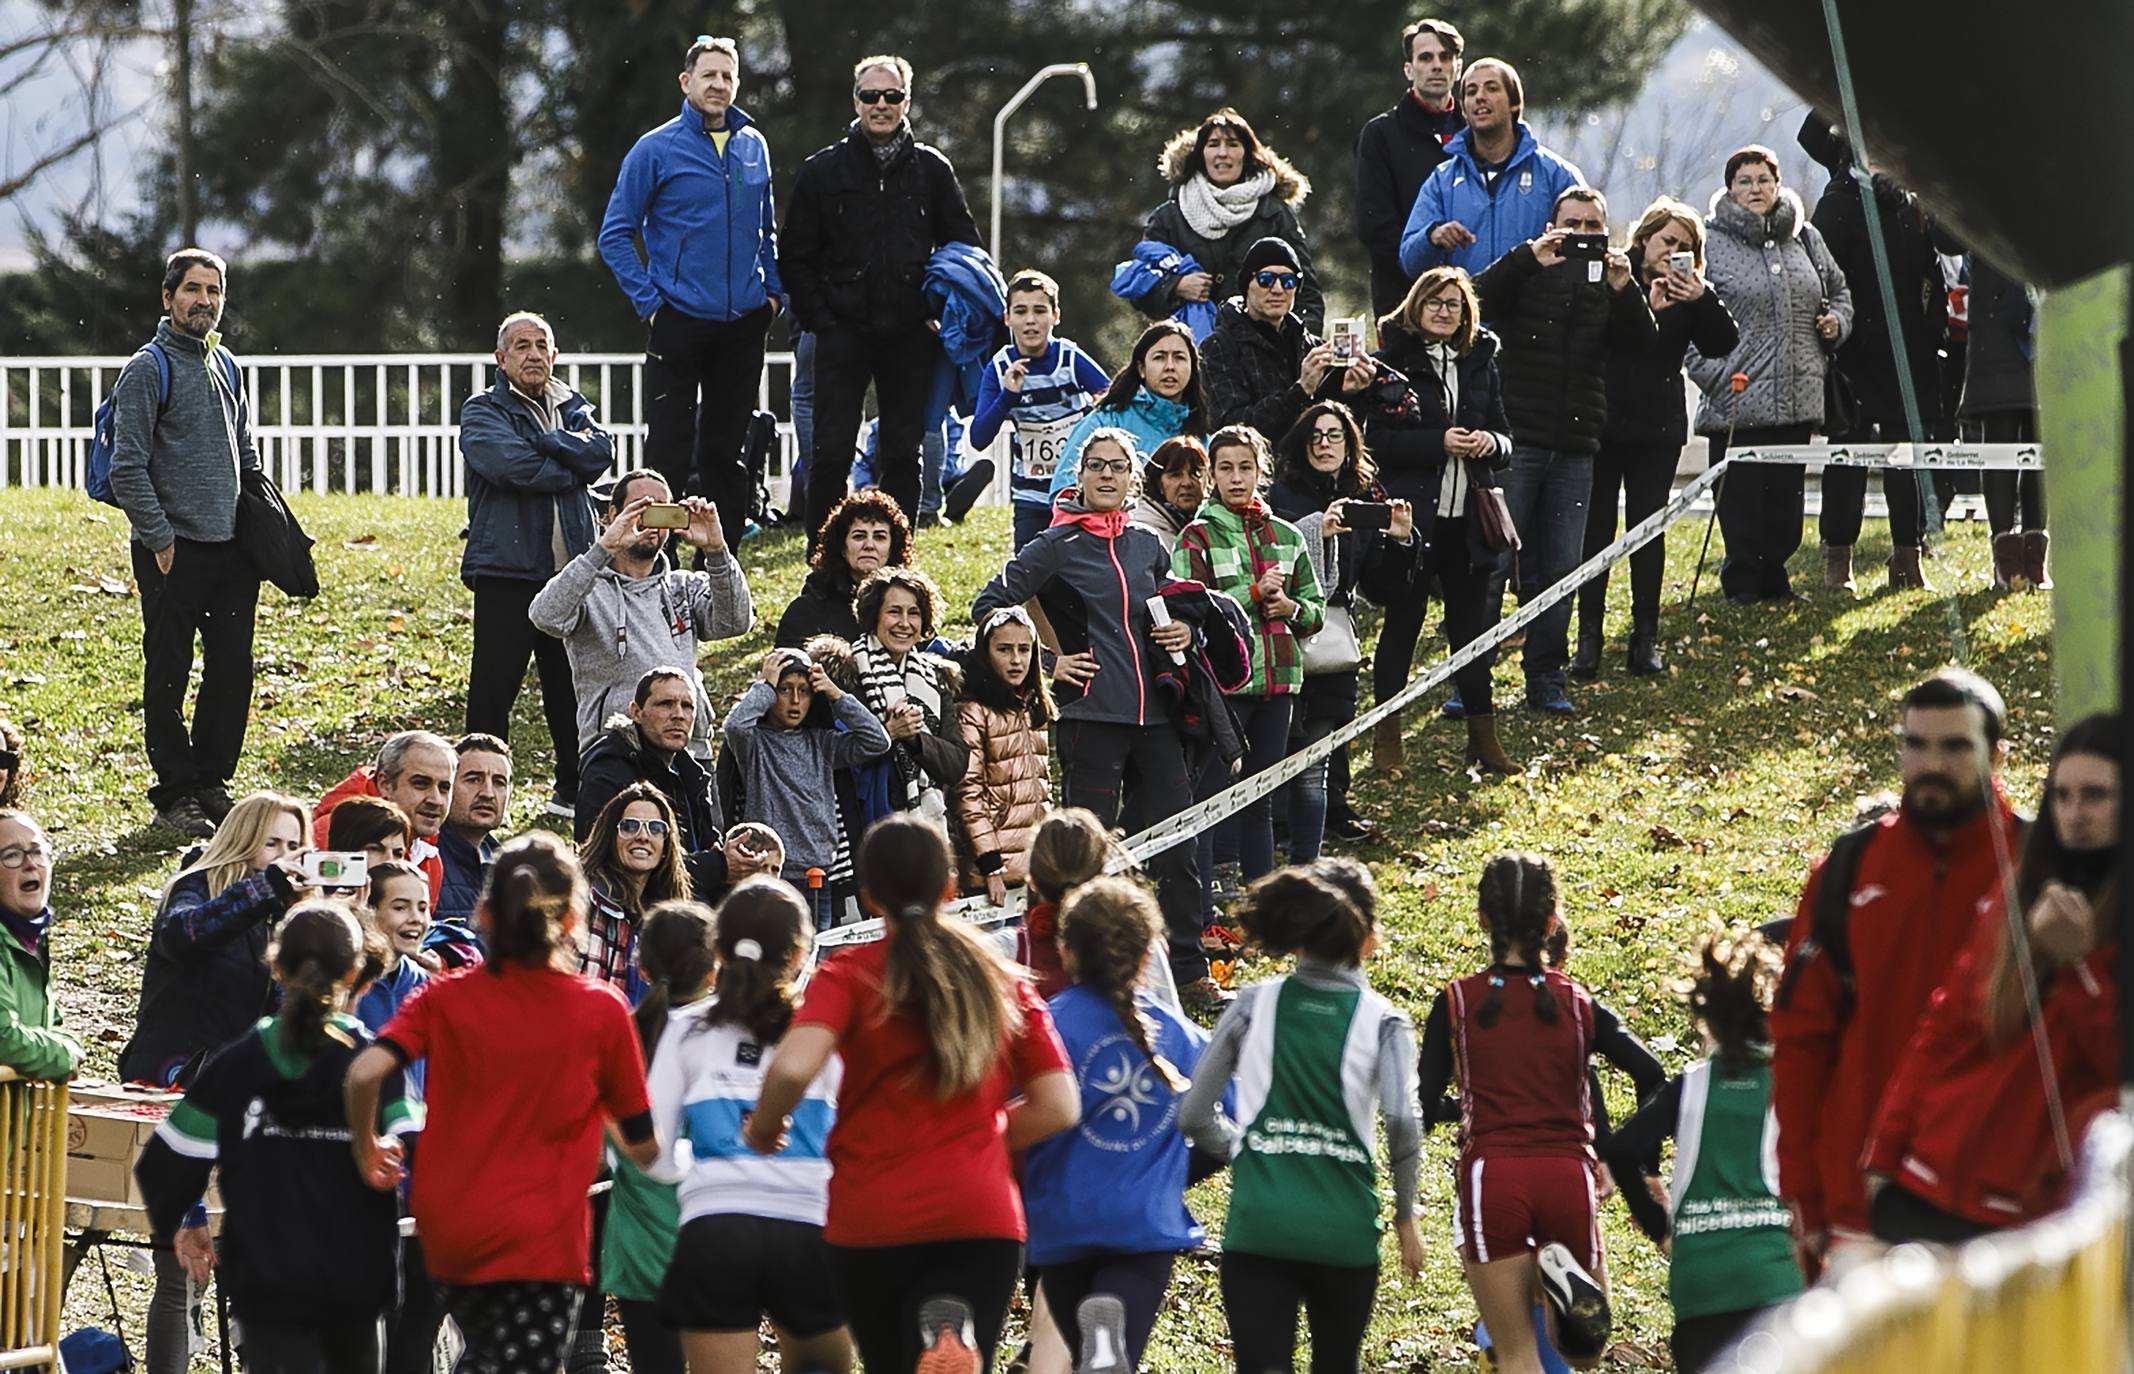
[(912, 691), (1229, 190)]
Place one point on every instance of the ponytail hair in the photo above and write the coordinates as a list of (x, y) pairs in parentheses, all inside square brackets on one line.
[(1298, 911), (1730, 996), (1106, 928), (1517, 899), (941, 973), (760, 928), (316, 950), (674, 955), (1071, 846), (531, 902)]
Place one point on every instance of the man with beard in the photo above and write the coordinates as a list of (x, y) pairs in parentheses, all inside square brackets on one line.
[(481, 800), (1861, 969)]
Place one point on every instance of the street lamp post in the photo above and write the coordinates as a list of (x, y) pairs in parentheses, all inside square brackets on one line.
[(1000, 126)]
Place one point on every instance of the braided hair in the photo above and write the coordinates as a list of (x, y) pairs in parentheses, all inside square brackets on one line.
[(1106, 927), (1517, 900)]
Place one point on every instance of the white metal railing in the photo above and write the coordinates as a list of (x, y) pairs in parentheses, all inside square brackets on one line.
[(377, 423)]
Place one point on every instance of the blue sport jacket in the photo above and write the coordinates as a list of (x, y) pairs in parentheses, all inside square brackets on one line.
[(711, 237), (1501, 218)]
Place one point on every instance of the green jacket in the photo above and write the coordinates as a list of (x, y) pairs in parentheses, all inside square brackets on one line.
[(1229, 552), (31, 1041)]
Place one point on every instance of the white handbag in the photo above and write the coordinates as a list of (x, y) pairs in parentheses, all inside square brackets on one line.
[(1333, 648)]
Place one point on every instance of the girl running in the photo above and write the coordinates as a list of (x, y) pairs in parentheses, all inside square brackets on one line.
[(938, 1035), (1316, 1054), (1070, 848), (528, 1068), (1107, 1199), (1516, 1039), (306, 1252), (751, 1234), (1727, 1235)]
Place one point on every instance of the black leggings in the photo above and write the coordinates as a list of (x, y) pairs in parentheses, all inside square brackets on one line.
[(504, 639), (1760, 513), (1139, 771), (655, 1347), (1642, 473), (1138, 1281), (883, 1287), (1261, 1295), (2005, 490), (348, 1347), (1698, 1342), (513, 1328), (411, 1328), (1465, 588)]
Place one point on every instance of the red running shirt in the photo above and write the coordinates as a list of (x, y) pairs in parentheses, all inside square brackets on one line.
[(906, 1165), (525, 1066), (1523, 1084)]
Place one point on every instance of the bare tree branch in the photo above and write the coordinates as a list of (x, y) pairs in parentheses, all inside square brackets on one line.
[(50, 159), (53, 38)]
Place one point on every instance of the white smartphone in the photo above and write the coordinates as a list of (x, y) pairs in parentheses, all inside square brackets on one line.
[(1347, 338), (327, 868)]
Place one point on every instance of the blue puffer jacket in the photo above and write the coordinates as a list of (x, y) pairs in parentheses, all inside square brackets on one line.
[(1148, 417), (1501, 218), (522, 476), (711, 235)]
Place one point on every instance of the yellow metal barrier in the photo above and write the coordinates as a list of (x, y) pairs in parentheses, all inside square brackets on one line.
[(33, 1178), (2049, 1296)]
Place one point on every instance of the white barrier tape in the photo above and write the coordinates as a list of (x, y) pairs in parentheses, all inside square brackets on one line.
[(1924, 457), (1187, 824)]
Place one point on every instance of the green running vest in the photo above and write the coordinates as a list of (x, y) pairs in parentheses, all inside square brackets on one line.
[(1733, 1239)]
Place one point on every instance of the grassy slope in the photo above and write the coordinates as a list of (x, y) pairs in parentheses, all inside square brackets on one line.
[(1674, 806)]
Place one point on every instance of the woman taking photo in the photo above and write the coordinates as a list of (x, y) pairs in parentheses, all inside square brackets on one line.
[(1173, 484), (1436, 442), (632, 864), (912, 692), (1792, 309), (1228, 191), (865, 532), (1093, 574), (1155, 397), (1647, 425), (1321, 467), (950, 1065)]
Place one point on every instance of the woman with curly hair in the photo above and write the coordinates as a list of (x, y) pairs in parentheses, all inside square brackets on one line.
[(912, 691), (866, 531)]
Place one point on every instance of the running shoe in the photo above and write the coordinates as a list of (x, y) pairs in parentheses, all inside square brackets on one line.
[(947, 1342), (964, 492), (1102, 1318), (1582, 1317)]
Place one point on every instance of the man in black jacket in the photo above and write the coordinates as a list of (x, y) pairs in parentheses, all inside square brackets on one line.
[(1397, 149), (1559, 316), (1260, 365), (652, 745), (866, 214)]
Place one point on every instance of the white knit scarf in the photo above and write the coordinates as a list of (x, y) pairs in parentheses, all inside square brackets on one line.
[(1214, 211)]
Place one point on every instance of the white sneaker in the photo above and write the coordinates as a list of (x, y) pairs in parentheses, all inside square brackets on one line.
[(1582, 1317), (1102, 1318)]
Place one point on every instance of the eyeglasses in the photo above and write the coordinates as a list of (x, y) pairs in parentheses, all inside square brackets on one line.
[(1754, 183), (1329, 436), (1444, 305), (18, 855), (893, 96), (1286, 280), (1106, 465), (630, 825)]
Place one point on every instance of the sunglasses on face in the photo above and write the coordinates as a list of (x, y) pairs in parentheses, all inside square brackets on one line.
[(630, 825), (892, 96), (1269, 280)]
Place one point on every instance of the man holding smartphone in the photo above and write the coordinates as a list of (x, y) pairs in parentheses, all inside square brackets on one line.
[(533, 451), (1560, 303)]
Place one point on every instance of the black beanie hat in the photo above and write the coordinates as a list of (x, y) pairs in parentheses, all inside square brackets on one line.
[(1271, 252)]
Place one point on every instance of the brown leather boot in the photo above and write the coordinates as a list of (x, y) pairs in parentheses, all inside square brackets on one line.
[(1483, 747), (2007, 561), (1387, 752), (2035, 543), (1905, 573), (1837, 568)]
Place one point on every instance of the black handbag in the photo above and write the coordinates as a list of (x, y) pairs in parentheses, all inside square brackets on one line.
[(270, 536)]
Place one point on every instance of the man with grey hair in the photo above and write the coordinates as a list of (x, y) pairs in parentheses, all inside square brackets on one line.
[(533, 452), (181, 441), (413, 771), (865, 216), (697, 192)]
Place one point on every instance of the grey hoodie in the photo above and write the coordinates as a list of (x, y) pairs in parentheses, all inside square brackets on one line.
[(787, 776), (175, 473), (616, 628)]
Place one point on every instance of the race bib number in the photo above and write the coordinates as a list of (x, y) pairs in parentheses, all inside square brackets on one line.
[(1042, 445)]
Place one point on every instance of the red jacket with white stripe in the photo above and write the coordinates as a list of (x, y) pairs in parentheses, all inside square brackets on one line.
[(1963, 1123)]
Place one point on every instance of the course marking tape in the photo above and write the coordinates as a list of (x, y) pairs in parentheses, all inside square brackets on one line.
[(1923, 457)]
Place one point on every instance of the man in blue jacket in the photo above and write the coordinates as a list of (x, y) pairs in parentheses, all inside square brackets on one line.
[(1496, 187), (532, 451), (697, 191)]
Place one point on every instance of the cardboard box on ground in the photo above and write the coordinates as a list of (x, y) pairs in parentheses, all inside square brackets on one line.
[(107, 1124)]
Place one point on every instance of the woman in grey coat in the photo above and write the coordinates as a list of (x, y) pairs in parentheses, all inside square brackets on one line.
[(1791, 303)]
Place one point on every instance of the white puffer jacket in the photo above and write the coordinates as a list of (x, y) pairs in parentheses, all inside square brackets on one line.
[(1775, 274)]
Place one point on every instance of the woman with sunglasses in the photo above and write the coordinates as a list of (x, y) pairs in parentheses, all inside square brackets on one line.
[(632, 864), (1262, 362), (1228, 191)]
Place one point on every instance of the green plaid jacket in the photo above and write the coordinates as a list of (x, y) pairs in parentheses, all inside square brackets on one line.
[(1229, 552)]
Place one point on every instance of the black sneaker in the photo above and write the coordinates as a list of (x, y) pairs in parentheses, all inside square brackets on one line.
[(184, 817), (1582, 1317), (215, 800), (1350, 827), (1102, 1318), (963, 493), (947, 1342), (1204, 997)]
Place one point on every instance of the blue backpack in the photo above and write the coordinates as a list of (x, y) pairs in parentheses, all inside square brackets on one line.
[(103, 441)]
